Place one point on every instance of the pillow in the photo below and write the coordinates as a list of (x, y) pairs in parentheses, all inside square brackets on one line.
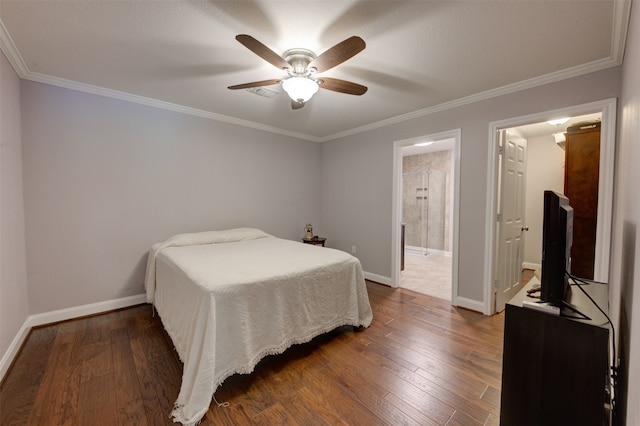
[(239, 234), (214, 237)]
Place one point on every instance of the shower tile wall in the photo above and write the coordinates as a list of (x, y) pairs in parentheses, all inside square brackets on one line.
[(441, 161)]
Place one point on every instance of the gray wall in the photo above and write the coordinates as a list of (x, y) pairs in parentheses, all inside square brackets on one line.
[(357, 173), (104, 179), (545, 170), (14, 308), (624, 297)]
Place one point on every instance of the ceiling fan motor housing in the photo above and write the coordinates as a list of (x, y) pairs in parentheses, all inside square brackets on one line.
[(299, 59)]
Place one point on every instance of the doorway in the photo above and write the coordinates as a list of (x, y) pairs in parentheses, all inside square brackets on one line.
[(425, 215), (606, 110), (426, 222)]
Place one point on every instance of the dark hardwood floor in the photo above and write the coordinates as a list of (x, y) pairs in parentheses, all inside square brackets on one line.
[(421, 362)]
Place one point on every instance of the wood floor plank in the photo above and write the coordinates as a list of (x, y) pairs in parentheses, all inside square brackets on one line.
[(156, 412), (276, 414), (19, 388), (368, 383), (447, 374), (333, 392), (314, 410), (421, 362), (16, 403), (98, 399), (233, 414), (129, 402), (28, 369), (97, 360), (131, 412), (57, 399), (424, 415)]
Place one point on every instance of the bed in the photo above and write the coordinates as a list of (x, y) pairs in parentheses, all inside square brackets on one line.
[(229, 298)]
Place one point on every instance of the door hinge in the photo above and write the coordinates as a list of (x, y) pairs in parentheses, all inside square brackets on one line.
[(499, 217)]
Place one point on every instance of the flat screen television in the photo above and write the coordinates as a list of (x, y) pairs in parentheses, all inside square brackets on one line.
[(557, 237)]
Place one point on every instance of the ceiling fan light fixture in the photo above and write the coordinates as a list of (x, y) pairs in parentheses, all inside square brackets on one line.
[(300, 89)]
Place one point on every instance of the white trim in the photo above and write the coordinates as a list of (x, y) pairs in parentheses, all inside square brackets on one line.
[(396, 213), (489, 94), (455, 237), (490, 226), (607, 108), (13, 349), (470, 304), (62, 315), (605, 192), (530, 265), (378, 278), (621, 13), (84, 310), (11, 52)]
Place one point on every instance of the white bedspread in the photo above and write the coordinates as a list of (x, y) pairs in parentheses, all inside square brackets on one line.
[(226, 305)]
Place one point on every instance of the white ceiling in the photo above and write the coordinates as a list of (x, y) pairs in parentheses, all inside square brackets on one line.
[(421, 56), (537, 130)]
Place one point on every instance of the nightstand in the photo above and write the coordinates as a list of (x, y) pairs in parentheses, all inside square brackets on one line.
[(316, 241)]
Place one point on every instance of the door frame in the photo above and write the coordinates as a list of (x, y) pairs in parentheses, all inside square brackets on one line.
[(607, 108), (396, 214)]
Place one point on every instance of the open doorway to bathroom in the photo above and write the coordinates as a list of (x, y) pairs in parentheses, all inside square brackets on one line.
[(426, 217)]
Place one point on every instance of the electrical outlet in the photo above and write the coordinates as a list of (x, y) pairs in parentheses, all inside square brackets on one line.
[(353, 249)]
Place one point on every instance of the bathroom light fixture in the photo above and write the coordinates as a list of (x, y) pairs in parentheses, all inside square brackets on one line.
[(558, 121), (422, 143), (300, 89)]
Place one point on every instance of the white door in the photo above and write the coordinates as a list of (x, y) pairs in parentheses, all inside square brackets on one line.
[(510, 226)]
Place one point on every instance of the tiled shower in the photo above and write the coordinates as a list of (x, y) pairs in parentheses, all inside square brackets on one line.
[(425, 201)]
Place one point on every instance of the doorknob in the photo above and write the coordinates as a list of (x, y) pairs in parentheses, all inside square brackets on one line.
[(524, 228)]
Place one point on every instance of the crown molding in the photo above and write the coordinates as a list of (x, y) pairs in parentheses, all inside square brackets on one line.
[(124, 96), (482, 96), (17, 62), (620, 25), (621, 13), (11, 52)]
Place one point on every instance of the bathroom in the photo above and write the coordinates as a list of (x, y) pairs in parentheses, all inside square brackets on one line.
[(426, 220)]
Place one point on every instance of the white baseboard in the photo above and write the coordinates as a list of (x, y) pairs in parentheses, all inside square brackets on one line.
[(13, 349), (474, 305), (529, 265), (62, 315), (378, 278), (84, 310)]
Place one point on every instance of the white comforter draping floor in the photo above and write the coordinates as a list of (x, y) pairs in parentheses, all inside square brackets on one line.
[(228, 304)]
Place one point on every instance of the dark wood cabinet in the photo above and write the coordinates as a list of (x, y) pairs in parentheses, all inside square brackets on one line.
[(581, 177), (555, 369)]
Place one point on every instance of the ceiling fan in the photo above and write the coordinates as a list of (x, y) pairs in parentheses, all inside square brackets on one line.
[(302, 65)]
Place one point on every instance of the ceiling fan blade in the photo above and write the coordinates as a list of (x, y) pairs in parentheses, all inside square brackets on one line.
[(296, 104), (263, 51), (343, 86), (338, 54), (255, 84)]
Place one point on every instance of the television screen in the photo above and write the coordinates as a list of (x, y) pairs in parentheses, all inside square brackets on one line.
[(557, 236)]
